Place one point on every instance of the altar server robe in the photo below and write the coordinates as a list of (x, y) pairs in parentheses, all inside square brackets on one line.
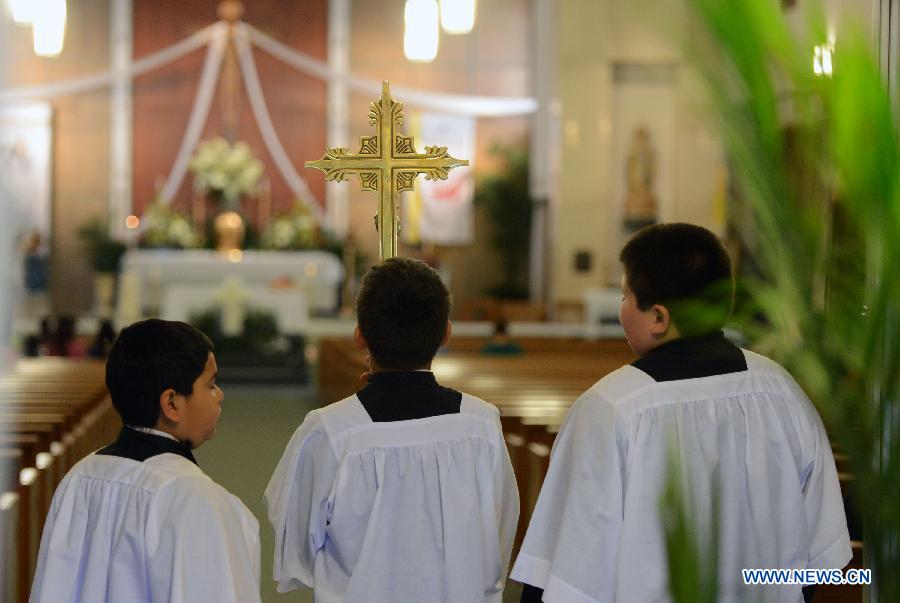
[(749, 437), (403, 511), (154, 530)]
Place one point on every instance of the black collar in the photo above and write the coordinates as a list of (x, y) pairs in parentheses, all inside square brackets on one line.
[(140, 446), (692, 358), (406, 395), (414, 379)]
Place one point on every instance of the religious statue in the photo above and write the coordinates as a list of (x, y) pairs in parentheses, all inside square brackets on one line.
[(640, 170)]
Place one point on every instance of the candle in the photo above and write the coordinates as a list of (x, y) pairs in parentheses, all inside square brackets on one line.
[(232, 296), (129, 310)]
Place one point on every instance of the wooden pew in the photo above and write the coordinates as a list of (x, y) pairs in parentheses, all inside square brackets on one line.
[(52, 413), (11, 507)]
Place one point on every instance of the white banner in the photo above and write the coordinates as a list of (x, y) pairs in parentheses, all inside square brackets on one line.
[(26, 133), (446, 205)]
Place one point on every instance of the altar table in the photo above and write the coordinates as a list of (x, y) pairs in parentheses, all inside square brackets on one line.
[(154, 278)]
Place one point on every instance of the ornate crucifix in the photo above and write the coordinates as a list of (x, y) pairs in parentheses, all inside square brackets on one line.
[(387, 163), (230, 11)]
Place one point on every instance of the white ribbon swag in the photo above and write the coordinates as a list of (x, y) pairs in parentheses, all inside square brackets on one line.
[(215, 36)]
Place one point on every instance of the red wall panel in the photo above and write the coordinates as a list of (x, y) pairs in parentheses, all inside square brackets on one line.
[(163, 98)]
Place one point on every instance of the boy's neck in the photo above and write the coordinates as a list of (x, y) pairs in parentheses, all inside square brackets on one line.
[(669, 336), (168, 429), (375, 368)]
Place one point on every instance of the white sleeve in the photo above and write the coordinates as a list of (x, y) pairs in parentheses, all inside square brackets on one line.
[(204, 547), (48, 581), (506, 495), (826, 522), (571, 546), (296, 500)]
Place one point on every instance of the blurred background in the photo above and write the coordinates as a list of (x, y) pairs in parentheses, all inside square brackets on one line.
[(152, 164)]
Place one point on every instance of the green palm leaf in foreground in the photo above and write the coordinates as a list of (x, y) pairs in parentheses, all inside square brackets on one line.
[(817, 159)]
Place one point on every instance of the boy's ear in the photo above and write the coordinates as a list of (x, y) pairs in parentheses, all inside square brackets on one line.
[(169, 406), (359, 339), (446, 334), (661, 320)]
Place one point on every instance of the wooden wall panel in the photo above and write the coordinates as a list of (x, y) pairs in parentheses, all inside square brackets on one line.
[(163, 99)]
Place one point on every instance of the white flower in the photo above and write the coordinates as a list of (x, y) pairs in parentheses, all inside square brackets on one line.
[(233, 170), (282, 234), (181, 233), (164, 226)]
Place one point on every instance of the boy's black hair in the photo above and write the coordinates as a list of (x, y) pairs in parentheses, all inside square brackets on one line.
[(148, 358), (684, 267), (402, 309)]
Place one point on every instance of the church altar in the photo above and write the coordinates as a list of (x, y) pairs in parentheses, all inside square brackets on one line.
[(173, 283)]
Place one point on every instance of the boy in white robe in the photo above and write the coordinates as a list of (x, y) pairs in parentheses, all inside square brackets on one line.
[(138, 521), (745, 434), (403, 492)]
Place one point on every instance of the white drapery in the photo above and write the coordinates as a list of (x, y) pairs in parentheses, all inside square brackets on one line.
[(258, 105), (199, 112), (479, 106), (215, 36), (98, 81)]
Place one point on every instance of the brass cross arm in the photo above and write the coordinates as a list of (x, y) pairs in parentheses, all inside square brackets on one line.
[(387, 163)]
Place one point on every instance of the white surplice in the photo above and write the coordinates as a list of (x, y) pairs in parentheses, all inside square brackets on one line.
[(155, 531), (415, 511), (752, 437)]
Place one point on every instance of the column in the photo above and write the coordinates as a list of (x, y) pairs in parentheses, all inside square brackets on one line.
[(544, 152), (120, 114), (338, 111)]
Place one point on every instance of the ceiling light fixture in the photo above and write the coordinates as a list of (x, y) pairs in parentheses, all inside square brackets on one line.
[(458, 16), (420, 38)]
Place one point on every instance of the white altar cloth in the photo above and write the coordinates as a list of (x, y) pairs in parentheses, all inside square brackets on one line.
[(288, 305), (157, 276)]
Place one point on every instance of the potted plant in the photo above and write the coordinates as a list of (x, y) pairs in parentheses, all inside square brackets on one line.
[(103, 253), (165, 227), (225, 173), (506, 198), (816, 158)]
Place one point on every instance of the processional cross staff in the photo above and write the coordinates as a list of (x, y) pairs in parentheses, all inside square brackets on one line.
[(387, 163)]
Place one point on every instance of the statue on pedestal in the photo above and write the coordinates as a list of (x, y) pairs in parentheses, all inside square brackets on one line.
[(640, 171)]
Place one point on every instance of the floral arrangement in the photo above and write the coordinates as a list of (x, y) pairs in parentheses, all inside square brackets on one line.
[(164, 226), (226, 171), (259, 332), (295, 229)]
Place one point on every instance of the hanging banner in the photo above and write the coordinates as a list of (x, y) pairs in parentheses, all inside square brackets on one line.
[(440, 212), (26, 133)]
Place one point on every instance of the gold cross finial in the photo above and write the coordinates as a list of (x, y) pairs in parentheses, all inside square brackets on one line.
[(387, 163), (230, 11)]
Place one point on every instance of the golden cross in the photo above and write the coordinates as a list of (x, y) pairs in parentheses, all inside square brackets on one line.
[(387, 171)]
